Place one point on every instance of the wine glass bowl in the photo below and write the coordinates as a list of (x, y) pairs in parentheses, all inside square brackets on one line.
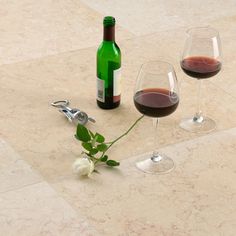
[(155, 102), (201, 59), (156, 95)]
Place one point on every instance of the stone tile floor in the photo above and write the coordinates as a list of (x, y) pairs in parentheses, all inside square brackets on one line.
[(47, 52)]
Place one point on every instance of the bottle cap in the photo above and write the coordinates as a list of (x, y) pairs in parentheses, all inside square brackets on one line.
[(109, 21)]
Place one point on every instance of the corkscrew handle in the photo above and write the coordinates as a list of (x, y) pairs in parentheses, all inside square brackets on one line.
[(74, 115)]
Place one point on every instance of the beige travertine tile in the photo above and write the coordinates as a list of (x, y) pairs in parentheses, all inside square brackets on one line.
[(14, 172), (38, 210), (197, 198), (145, 17), (33, 29), (29, 206), (45, 138)]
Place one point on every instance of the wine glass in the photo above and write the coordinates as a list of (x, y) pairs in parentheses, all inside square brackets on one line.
[(201, 59), (156, 95)]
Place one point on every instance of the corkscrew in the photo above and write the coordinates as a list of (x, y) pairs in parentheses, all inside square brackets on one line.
[(74, 115)]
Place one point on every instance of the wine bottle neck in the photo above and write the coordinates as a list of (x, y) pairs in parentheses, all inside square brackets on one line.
[(109, 33)]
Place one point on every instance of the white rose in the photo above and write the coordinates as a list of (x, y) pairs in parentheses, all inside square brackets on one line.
[(83, 166)]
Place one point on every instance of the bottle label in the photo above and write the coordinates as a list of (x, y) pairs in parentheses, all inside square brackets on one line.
[(116, 85), (100, 90)]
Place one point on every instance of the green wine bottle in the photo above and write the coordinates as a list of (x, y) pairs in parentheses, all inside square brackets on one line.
[(108, 68)]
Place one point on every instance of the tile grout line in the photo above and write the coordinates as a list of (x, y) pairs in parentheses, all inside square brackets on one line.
[(191, 141), (42, 180), (62, 178), (216, 133), (80, 216), (24, 186), (133, 37)]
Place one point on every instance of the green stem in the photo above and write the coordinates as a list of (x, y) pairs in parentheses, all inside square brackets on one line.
[(91, 156), (96, 162), (117, 139)]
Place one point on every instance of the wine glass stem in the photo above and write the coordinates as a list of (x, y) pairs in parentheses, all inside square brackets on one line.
[(155, 155), (198, 115)]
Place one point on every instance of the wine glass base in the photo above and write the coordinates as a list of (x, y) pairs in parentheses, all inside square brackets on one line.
[(161, 165), (205, 126)]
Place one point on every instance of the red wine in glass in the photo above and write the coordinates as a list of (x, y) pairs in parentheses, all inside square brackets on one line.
[(201, 59), (156, 95), (156, 102), (200, 67)]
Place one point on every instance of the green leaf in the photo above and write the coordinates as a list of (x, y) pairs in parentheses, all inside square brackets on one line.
[(104, 158), (102, 147), (91, 133), (82, 133), (93, 151), (112, 163), (99, 138), (87, 146)]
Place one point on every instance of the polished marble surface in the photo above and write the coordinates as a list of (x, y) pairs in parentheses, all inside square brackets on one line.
[(47, 53)]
